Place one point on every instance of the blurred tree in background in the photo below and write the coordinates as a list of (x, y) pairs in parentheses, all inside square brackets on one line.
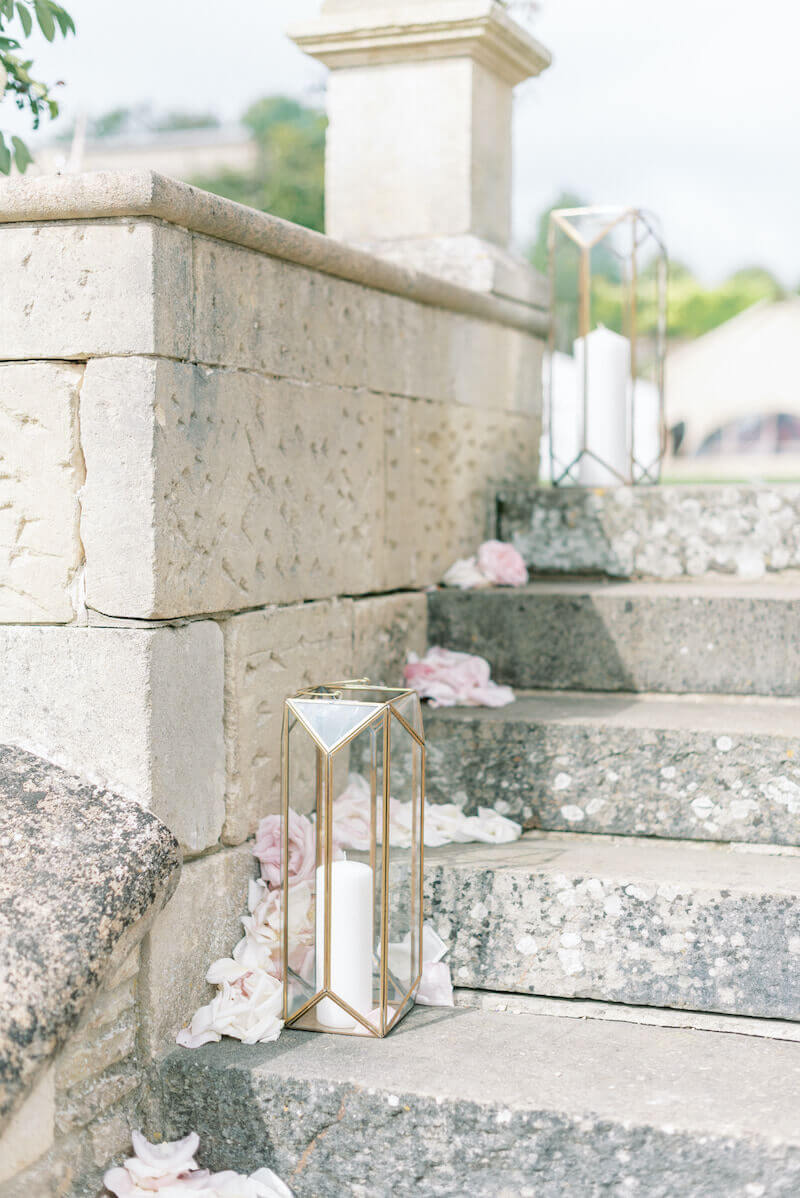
[(174, 122), (288, 176), (16, 81), (694, 309), (138, 121), (288, 179)]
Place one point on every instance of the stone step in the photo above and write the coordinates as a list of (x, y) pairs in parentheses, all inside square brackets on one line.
[(699, 767), (664, 923), (715, 636), (660, 532), (471, 1103)]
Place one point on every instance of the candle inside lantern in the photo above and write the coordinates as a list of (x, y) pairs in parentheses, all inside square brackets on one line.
[(565, 419), (603, 361), (350, 942), (646, 429)]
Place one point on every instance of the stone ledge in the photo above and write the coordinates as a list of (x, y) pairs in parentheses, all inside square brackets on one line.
[(102, 195), (83, 873)]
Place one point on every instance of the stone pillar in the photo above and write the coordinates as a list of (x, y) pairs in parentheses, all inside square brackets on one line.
[(418, 165)]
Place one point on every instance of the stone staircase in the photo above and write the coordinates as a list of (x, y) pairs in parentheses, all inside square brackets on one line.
[(628, 1012)]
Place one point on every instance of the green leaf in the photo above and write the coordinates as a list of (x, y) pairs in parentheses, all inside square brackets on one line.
[(22, 155), (5, 157), (24, 14), (7, 9), (45, 18), (65, 21)]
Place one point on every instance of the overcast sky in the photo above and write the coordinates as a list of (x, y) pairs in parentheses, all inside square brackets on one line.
[(689, 107)]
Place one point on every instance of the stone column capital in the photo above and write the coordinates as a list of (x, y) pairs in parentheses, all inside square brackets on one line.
[(351, 35), (418, 160)]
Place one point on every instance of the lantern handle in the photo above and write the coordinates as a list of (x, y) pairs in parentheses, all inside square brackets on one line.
[(304, 690)]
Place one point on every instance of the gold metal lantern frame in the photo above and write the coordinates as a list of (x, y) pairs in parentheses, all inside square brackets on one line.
[(608, 319), (352, 809)]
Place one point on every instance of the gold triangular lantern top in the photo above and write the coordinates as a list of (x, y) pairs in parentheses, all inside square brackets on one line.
[(333, 712), (330, 723)]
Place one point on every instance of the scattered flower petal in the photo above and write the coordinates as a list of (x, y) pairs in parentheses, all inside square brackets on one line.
[(119, 1183), (452, 679), (351, 815), (501, 564), (433, 947), (435, 987), (170, 1171), (465, 574), (496, 563), (267, 1179), (490, 827), (261, 1184), (444, 823)]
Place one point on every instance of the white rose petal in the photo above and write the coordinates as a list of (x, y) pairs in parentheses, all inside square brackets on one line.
[(465, 574)]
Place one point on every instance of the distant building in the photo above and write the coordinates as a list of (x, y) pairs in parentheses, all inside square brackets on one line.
[(184, 154), (736, 391)]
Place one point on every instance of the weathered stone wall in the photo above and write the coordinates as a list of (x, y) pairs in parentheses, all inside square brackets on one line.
[(233, 453), (216, 416), (225, 427), (79, 1114)]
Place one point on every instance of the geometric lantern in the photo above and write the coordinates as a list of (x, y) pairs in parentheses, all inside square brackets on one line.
[(353, 772), (604, 389)]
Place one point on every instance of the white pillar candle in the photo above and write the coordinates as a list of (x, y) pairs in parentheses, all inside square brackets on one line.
[(351, 942), (603, 362), (646, 428), (565, 419)]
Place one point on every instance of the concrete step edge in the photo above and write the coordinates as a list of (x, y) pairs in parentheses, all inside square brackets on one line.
[(630, 637), (698, 767), (470, 1103), (658, 531), (639, 921)]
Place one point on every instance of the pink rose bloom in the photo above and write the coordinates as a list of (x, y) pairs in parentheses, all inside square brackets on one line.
[(502, 564), (302, 849), (452, 679)]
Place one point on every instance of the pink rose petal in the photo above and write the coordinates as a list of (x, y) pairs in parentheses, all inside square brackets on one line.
[(450, 679), (502, 564)]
